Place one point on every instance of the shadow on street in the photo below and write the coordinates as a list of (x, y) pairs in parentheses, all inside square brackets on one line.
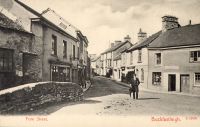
[(147, 98)]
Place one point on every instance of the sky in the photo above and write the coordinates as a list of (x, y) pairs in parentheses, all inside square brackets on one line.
[(104, 21)]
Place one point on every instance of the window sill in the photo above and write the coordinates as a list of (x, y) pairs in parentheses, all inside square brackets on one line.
[(196, 85), (54, 55), (139, 62), (194, 61), (158, 84), (158, 64)]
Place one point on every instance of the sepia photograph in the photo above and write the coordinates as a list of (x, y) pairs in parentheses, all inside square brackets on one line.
[(99, 63)]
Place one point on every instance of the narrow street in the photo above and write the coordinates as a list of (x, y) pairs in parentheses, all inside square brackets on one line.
[(106, 97)]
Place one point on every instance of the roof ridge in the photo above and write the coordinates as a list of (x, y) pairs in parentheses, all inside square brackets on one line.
[(145, 42), (61, 18)]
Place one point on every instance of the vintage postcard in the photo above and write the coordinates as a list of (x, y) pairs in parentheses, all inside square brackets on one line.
[(99, 63)]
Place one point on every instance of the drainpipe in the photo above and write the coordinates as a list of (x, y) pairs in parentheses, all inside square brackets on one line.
[(148, 68)]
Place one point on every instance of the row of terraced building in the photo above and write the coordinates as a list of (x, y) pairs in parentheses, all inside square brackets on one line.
[(39, 47), (168, 60)]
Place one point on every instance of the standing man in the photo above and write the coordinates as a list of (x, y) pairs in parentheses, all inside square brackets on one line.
[(134, 82)]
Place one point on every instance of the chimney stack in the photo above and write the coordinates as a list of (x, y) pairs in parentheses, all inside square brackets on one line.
[(117, 42), (190, 22), (112, 44), (141, 35), (169, 22), (127, 38)]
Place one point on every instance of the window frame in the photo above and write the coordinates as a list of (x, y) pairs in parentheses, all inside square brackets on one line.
[(7, 55), (156, 59), (54, 45), (64, 49), (139, 55), (131, 58), (195, 84), (73, 52), (156, 83), (192, 56)]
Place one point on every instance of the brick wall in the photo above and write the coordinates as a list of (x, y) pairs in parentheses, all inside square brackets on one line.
[(33, 96)]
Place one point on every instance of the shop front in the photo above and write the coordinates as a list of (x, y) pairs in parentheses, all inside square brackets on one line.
[(60, 73)]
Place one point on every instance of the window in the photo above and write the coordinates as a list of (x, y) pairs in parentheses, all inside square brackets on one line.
[(158, 58), (156, 78), (131, 58), (74, 52), (64, 49), (195, 56), (6, 60), (78, 52), (142, 75), (140, 56), (54, 45), (197, 79)]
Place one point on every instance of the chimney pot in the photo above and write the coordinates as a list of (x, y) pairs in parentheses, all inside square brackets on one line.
[(169, 22), (127, 38)]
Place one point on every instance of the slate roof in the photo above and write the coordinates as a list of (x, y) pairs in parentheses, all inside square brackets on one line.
[(117, 57), (93, 60), (118, 45), (60, 22), (52, 17), (145, 42), (182, 36), (5, 22)]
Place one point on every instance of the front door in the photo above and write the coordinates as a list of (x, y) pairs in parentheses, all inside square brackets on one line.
[(172, 82), (185, 83)]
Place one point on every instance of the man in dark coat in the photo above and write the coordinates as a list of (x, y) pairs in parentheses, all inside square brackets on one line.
[(134, 82)]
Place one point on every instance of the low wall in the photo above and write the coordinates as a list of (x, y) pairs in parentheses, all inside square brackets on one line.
[(33, 96)]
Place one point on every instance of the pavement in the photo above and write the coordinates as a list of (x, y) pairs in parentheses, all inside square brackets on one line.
[(107, 103), (106, 97), (88, 85), (149, 90)]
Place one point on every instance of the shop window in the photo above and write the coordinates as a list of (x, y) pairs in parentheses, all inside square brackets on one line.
[(156, 78), (197, 79)]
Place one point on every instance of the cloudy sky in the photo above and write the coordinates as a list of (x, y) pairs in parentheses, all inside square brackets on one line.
[(104, 21)]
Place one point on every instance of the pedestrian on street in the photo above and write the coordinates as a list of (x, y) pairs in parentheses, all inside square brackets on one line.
[(134, 83)]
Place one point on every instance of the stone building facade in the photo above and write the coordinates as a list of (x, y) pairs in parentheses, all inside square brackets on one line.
[(60, 48), (19, 62), (174, 60), (107, 57)]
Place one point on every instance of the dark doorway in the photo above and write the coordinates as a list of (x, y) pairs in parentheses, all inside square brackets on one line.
[(172, 82), (185, 83)]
